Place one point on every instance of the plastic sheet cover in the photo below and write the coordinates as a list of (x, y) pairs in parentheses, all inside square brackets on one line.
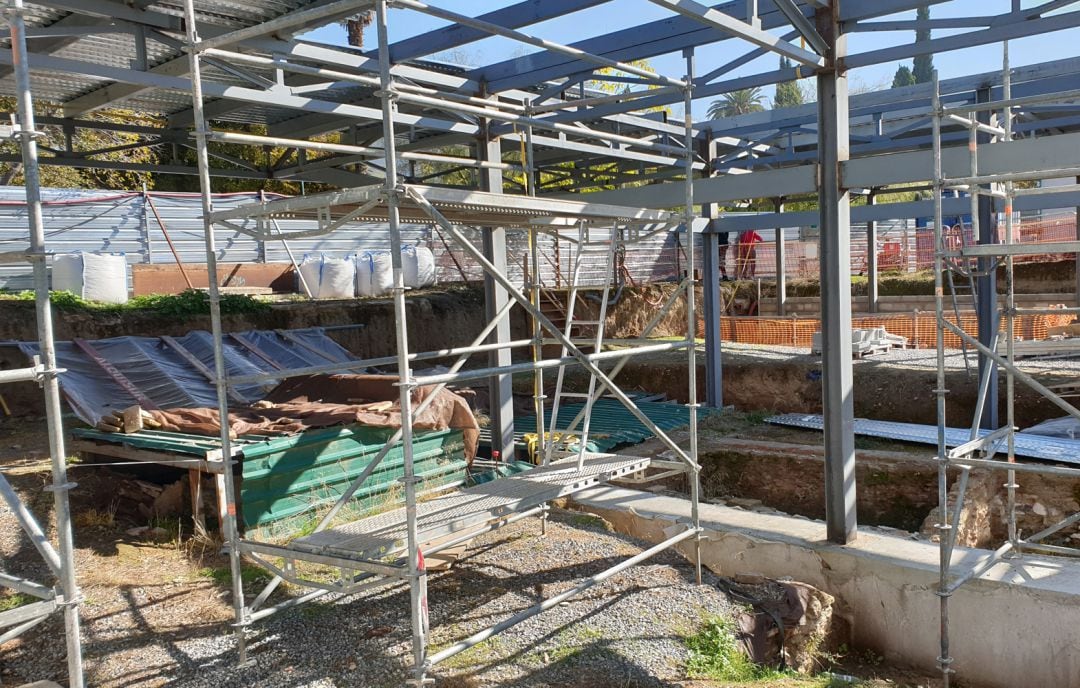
[(165, 376)]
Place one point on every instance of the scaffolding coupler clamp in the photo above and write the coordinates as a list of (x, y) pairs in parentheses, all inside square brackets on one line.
[(62, 487)]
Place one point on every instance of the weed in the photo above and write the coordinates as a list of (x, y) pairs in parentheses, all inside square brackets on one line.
[(96, 518), (186, 303), (250, 575), (715, 655), (589, 521), (13, 600)]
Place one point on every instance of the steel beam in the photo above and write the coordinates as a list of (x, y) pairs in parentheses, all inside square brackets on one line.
[(834, 202), (781, 259), (741, 29), (871, 258)]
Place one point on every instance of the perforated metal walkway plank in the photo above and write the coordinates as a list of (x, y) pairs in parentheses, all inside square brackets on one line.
[(382, 535), (1026, 445)]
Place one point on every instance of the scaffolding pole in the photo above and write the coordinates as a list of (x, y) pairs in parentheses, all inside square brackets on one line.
[(230, 525), (963, 458), (69, 596)]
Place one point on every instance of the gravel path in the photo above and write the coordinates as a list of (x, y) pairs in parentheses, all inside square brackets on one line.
[(153, 629)]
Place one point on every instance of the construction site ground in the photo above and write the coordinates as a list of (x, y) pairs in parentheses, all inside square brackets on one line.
[(156, 607)]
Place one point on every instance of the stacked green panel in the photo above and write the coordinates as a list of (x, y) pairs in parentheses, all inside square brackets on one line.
[(289, 482)]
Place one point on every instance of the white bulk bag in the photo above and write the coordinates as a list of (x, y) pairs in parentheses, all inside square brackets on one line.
[(329, 278), (417, 266), (92, 276), (374, 273)]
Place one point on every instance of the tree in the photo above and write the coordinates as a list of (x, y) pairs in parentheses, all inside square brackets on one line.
[(903, 77), (738, 102), (354, 27), (924, 64), (788, 93)]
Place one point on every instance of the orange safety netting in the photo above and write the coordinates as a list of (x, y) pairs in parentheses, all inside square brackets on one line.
[(919, 328)]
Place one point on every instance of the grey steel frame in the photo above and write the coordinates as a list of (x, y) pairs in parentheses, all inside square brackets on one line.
[(60, 560), (965, 458), (388, 202)]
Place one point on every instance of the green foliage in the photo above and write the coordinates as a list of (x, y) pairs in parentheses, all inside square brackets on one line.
[(788, 93), (924, 64), (738, 102), (14, 600), (903, 77), (715, 655), (186, 303), (222, 575)]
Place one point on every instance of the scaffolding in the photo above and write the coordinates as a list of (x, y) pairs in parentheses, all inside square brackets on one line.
[(391, 546), (64, 597), (980, 452)]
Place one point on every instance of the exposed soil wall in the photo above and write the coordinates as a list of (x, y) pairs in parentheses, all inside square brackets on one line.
[(891, 490), (882, 391)]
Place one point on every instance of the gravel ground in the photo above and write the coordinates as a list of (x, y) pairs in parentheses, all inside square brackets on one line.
[(923, 359), (151, 619)]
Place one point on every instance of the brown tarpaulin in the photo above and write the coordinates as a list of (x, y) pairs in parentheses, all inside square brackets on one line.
[(321, 401)]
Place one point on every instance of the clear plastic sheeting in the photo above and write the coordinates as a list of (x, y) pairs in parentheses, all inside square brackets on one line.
[(154, 370), (1067, 427)]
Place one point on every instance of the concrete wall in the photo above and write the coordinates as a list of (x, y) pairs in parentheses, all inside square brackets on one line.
[(1017, 625)]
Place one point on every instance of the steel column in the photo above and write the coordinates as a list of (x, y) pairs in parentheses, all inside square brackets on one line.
[(713, 298), (986, 285), (501, 387), (835, 205), (781, 260), (872, 268), (58, 456)]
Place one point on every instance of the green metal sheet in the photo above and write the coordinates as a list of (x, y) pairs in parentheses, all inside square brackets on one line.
[(613, 425)]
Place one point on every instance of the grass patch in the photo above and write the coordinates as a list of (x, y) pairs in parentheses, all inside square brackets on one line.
[(96, 518), (14, 600), (715, 655), (250, 575), (187, 303)]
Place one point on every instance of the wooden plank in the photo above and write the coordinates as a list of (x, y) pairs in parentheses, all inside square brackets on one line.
[(298, 341), (239, 339), (198, 365), (167, 279), (115, 374), (127, 453)]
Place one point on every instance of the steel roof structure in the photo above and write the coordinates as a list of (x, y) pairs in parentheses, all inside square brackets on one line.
[(388, 126)]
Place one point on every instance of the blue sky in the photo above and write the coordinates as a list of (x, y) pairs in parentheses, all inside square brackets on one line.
[(619, 14)]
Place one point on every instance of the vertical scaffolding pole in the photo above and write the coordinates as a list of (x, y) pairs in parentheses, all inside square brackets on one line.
[(417, 572), (230, 526), (27, 132), (834, 202), (943, 525), (1010, 315), (691, 312)]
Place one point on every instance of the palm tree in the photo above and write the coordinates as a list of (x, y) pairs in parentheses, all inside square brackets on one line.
[(737, 103), (354, 27)]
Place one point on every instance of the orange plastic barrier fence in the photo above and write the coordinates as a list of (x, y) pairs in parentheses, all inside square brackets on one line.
[(920, 329)]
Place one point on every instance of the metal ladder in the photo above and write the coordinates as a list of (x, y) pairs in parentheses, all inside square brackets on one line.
[(611, 249), (968, 271)]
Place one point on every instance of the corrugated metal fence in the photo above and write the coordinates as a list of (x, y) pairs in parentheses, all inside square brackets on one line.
[(123, 222)]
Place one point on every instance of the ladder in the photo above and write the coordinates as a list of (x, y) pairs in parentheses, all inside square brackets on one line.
[(611, 248), (968, 270)]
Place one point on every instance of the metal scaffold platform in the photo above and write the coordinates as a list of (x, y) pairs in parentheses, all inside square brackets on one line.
[(458, 513)]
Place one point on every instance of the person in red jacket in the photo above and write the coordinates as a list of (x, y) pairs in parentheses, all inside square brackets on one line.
[(746, 263)]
